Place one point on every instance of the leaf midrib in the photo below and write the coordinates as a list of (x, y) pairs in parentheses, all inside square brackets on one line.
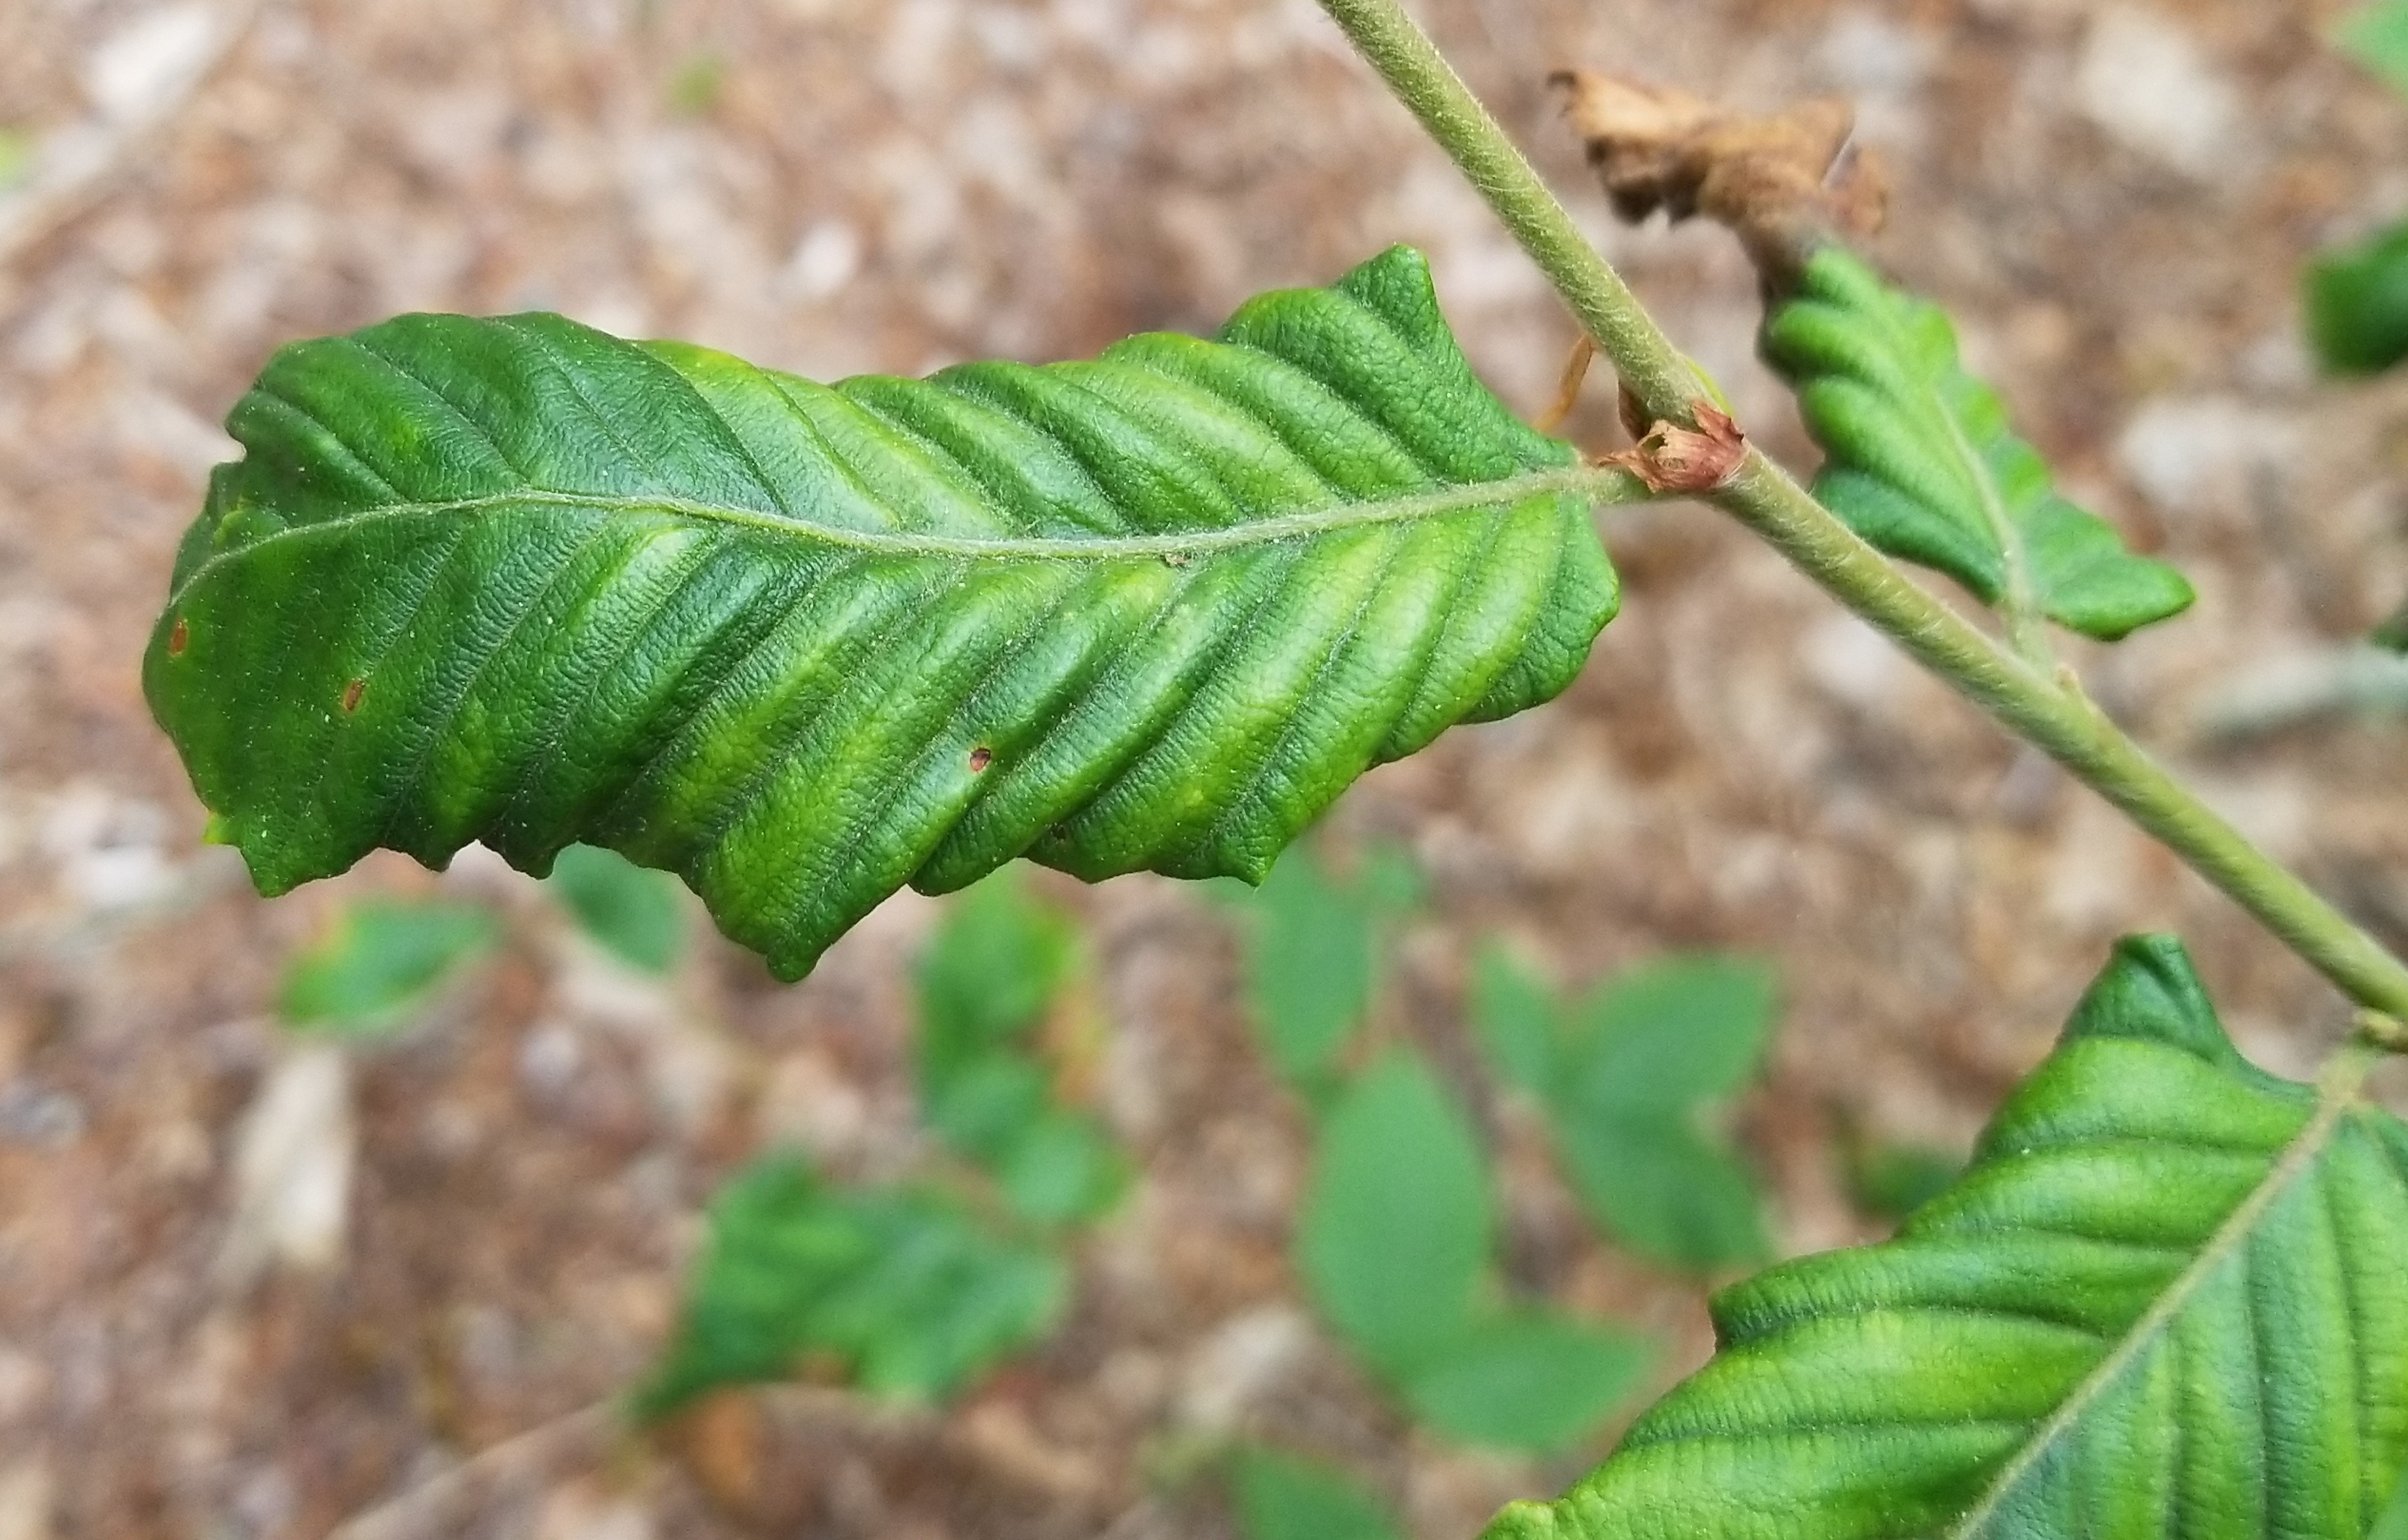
[(2336, 1099), (1601, 485)]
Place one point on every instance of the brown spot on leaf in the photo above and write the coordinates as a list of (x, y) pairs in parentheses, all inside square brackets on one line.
[(980, 757), (1786, 183), (180, 638), (352, 694), (1671, 458)]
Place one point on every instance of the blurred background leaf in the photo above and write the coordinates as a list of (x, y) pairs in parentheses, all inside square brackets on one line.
[(2376, 36), (384, 960), (1630, 1080), (1393, 1235), (635, 915), (1311, 952), (2357, 303), (1531, 1380), (899, 1290), (1280, 1497)]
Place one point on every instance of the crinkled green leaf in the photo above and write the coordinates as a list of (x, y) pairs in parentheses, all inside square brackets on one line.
[(633, 913), (516, 581), (906, 1293), (2357, 303), (1279, 1497), (1530, 1380), (2376, 34), (2167, 1298), (1393, 1235), (1920, 460), (1631, 1079), (384, 960)]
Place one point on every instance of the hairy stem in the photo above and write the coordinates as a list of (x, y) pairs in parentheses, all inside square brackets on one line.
[(2048, 712)]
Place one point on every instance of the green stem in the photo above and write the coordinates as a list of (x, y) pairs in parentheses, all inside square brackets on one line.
[(2058, 719)]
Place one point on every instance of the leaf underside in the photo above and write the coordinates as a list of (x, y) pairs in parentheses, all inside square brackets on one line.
[(519, 581), (1920, 460), (2166, 1300)]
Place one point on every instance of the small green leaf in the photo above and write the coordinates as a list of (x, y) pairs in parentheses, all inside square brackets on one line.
[(1279, 1497), (2376, 36), (1662, 1189), (510, 580), (633, 913), (2165, 1300), (1393, 1235), (1310, 949), (1890, 1181), (2356, 303), (1062, 1170), (1922, 464), (899, 1287), (1517, 1021), (384, 960), (1631, 1081), (988, 977), (2392, 635), (1532, 1381)]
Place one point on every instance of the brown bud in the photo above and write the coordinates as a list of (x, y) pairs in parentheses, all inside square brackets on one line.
[(1672, 458)]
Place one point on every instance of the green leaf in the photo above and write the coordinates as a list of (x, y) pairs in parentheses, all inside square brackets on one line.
[(1310, 955), (2376, 36), (1516, 1018), (1629, 1081), (519, 581), (2165, 1300), (2356, 303), (2393, 1525), (1279, 1497), (1890, 1181), (1922, 464), (1062, 1170), (906, 1293), (633, 913), (1393, 1240), (987, 979), (384, 960), (1531, 1381)]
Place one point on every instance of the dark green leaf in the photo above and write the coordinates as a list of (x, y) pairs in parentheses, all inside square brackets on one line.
[(1309, 951), (1395, 1232), (2392, 635), (2376, 34), (906, 1293), (1532, 1381), (518, 582), (2165, 1300), (1279, 1497), (2357, 302), (633, 913), (1922, 464), (384, 960)]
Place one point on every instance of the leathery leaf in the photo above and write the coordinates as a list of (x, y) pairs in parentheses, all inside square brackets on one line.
[(517, 581), (1922, 463), (2166, 1299)]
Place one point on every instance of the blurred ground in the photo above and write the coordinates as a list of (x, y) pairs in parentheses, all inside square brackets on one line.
[(2112, 198)]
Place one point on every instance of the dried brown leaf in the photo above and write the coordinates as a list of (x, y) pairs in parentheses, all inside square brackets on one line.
[(1784, 184), (1672, 458)]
